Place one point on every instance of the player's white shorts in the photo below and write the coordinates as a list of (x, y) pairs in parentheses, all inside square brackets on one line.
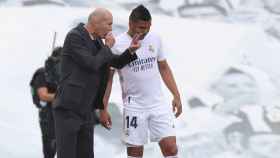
[(139, 126)]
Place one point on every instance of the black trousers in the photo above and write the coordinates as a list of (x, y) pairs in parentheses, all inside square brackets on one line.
[(74, 134), (47, 129)]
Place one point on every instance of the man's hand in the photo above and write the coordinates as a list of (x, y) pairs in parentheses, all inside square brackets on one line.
[(105, 119), (177, 106), (135, 44), (109, 40)]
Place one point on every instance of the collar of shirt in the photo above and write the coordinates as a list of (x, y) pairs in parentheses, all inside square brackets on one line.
[(90, 35)]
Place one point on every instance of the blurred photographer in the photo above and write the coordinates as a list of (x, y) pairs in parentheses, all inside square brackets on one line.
[(52, 66), (43, 86)]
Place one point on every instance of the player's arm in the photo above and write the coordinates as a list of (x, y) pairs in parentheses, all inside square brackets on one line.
[(169, 81), (105, 118), (44, 95), (108, 89)]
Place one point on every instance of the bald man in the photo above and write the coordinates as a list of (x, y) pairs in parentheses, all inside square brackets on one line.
[(84, 73)]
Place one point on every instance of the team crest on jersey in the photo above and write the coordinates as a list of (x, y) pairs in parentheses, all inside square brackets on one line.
[(151, 48)]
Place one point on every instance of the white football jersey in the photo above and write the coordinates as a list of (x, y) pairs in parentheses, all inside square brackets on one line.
[(140, 80)]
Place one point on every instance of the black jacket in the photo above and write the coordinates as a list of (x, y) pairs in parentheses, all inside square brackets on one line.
[(84, 71), (39, 80)]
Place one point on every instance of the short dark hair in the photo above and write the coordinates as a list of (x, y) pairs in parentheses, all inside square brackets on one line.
[(140, 13)]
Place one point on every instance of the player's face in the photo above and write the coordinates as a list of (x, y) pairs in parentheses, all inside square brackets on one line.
[(140, 27)]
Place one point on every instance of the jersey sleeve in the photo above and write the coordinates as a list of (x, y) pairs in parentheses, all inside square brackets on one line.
[(121, 44), (115, 50), (161, 54)]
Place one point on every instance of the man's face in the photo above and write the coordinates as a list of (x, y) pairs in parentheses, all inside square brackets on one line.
[(140, 27), (104, 26)]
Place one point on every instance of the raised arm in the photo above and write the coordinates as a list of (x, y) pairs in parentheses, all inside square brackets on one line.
[(128, 55), (76, 48), (119, 61)]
